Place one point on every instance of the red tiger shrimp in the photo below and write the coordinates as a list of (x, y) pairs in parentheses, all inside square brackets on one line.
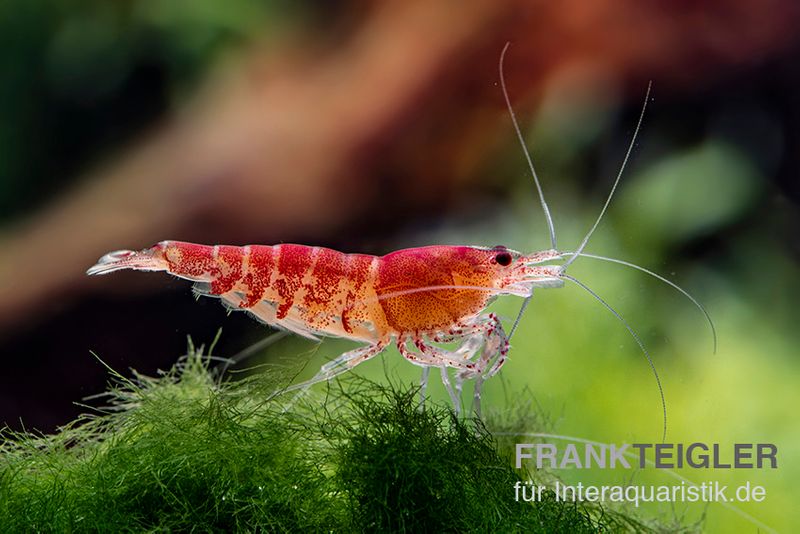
[(412, 298), (415, 299)]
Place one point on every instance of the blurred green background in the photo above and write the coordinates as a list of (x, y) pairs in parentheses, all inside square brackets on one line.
[(126, 124)]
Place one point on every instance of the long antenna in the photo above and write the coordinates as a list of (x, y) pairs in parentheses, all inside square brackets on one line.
[(662, 279), (525, 151), (638, 342), (616, 182)]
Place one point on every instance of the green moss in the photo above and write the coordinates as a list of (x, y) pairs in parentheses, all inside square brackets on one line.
[(182, 452)]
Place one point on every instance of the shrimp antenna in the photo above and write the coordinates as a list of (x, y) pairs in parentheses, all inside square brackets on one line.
[(616, 182), (513, 115), (638, 342), (527, 153), (661, 278)]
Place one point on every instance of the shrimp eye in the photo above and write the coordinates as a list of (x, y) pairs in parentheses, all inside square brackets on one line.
[(503, 258)]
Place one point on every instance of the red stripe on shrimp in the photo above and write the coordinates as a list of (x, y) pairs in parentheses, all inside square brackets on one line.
[(326, 277), (227, 268), (358, 268), (187, 259), (260, 265), (293, 262)]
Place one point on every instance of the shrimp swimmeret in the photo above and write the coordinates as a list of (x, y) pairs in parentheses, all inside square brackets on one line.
[(416, 298)]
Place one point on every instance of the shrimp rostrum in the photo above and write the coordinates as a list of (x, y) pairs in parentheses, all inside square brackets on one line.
[(430, 302)]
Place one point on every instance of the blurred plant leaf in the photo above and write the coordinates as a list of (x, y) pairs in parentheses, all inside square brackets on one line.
[(691, 193)]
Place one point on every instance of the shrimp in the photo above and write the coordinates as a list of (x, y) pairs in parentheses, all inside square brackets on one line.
[(415, 299)]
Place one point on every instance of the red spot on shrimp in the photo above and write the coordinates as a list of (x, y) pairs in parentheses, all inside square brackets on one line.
[(346, 323), (358, 266), (260, 265), (227, 269), (327, 275), (293, 262), (187, 259)]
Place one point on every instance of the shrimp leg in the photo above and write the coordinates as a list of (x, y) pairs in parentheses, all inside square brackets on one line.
[(489, 335), (454, 396), (443, 359), (432, 357), (340, 365), (423, 385)]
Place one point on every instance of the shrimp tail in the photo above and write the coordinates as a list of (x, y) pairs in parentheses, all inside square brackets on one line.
[(150, 259), (218, 269)]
